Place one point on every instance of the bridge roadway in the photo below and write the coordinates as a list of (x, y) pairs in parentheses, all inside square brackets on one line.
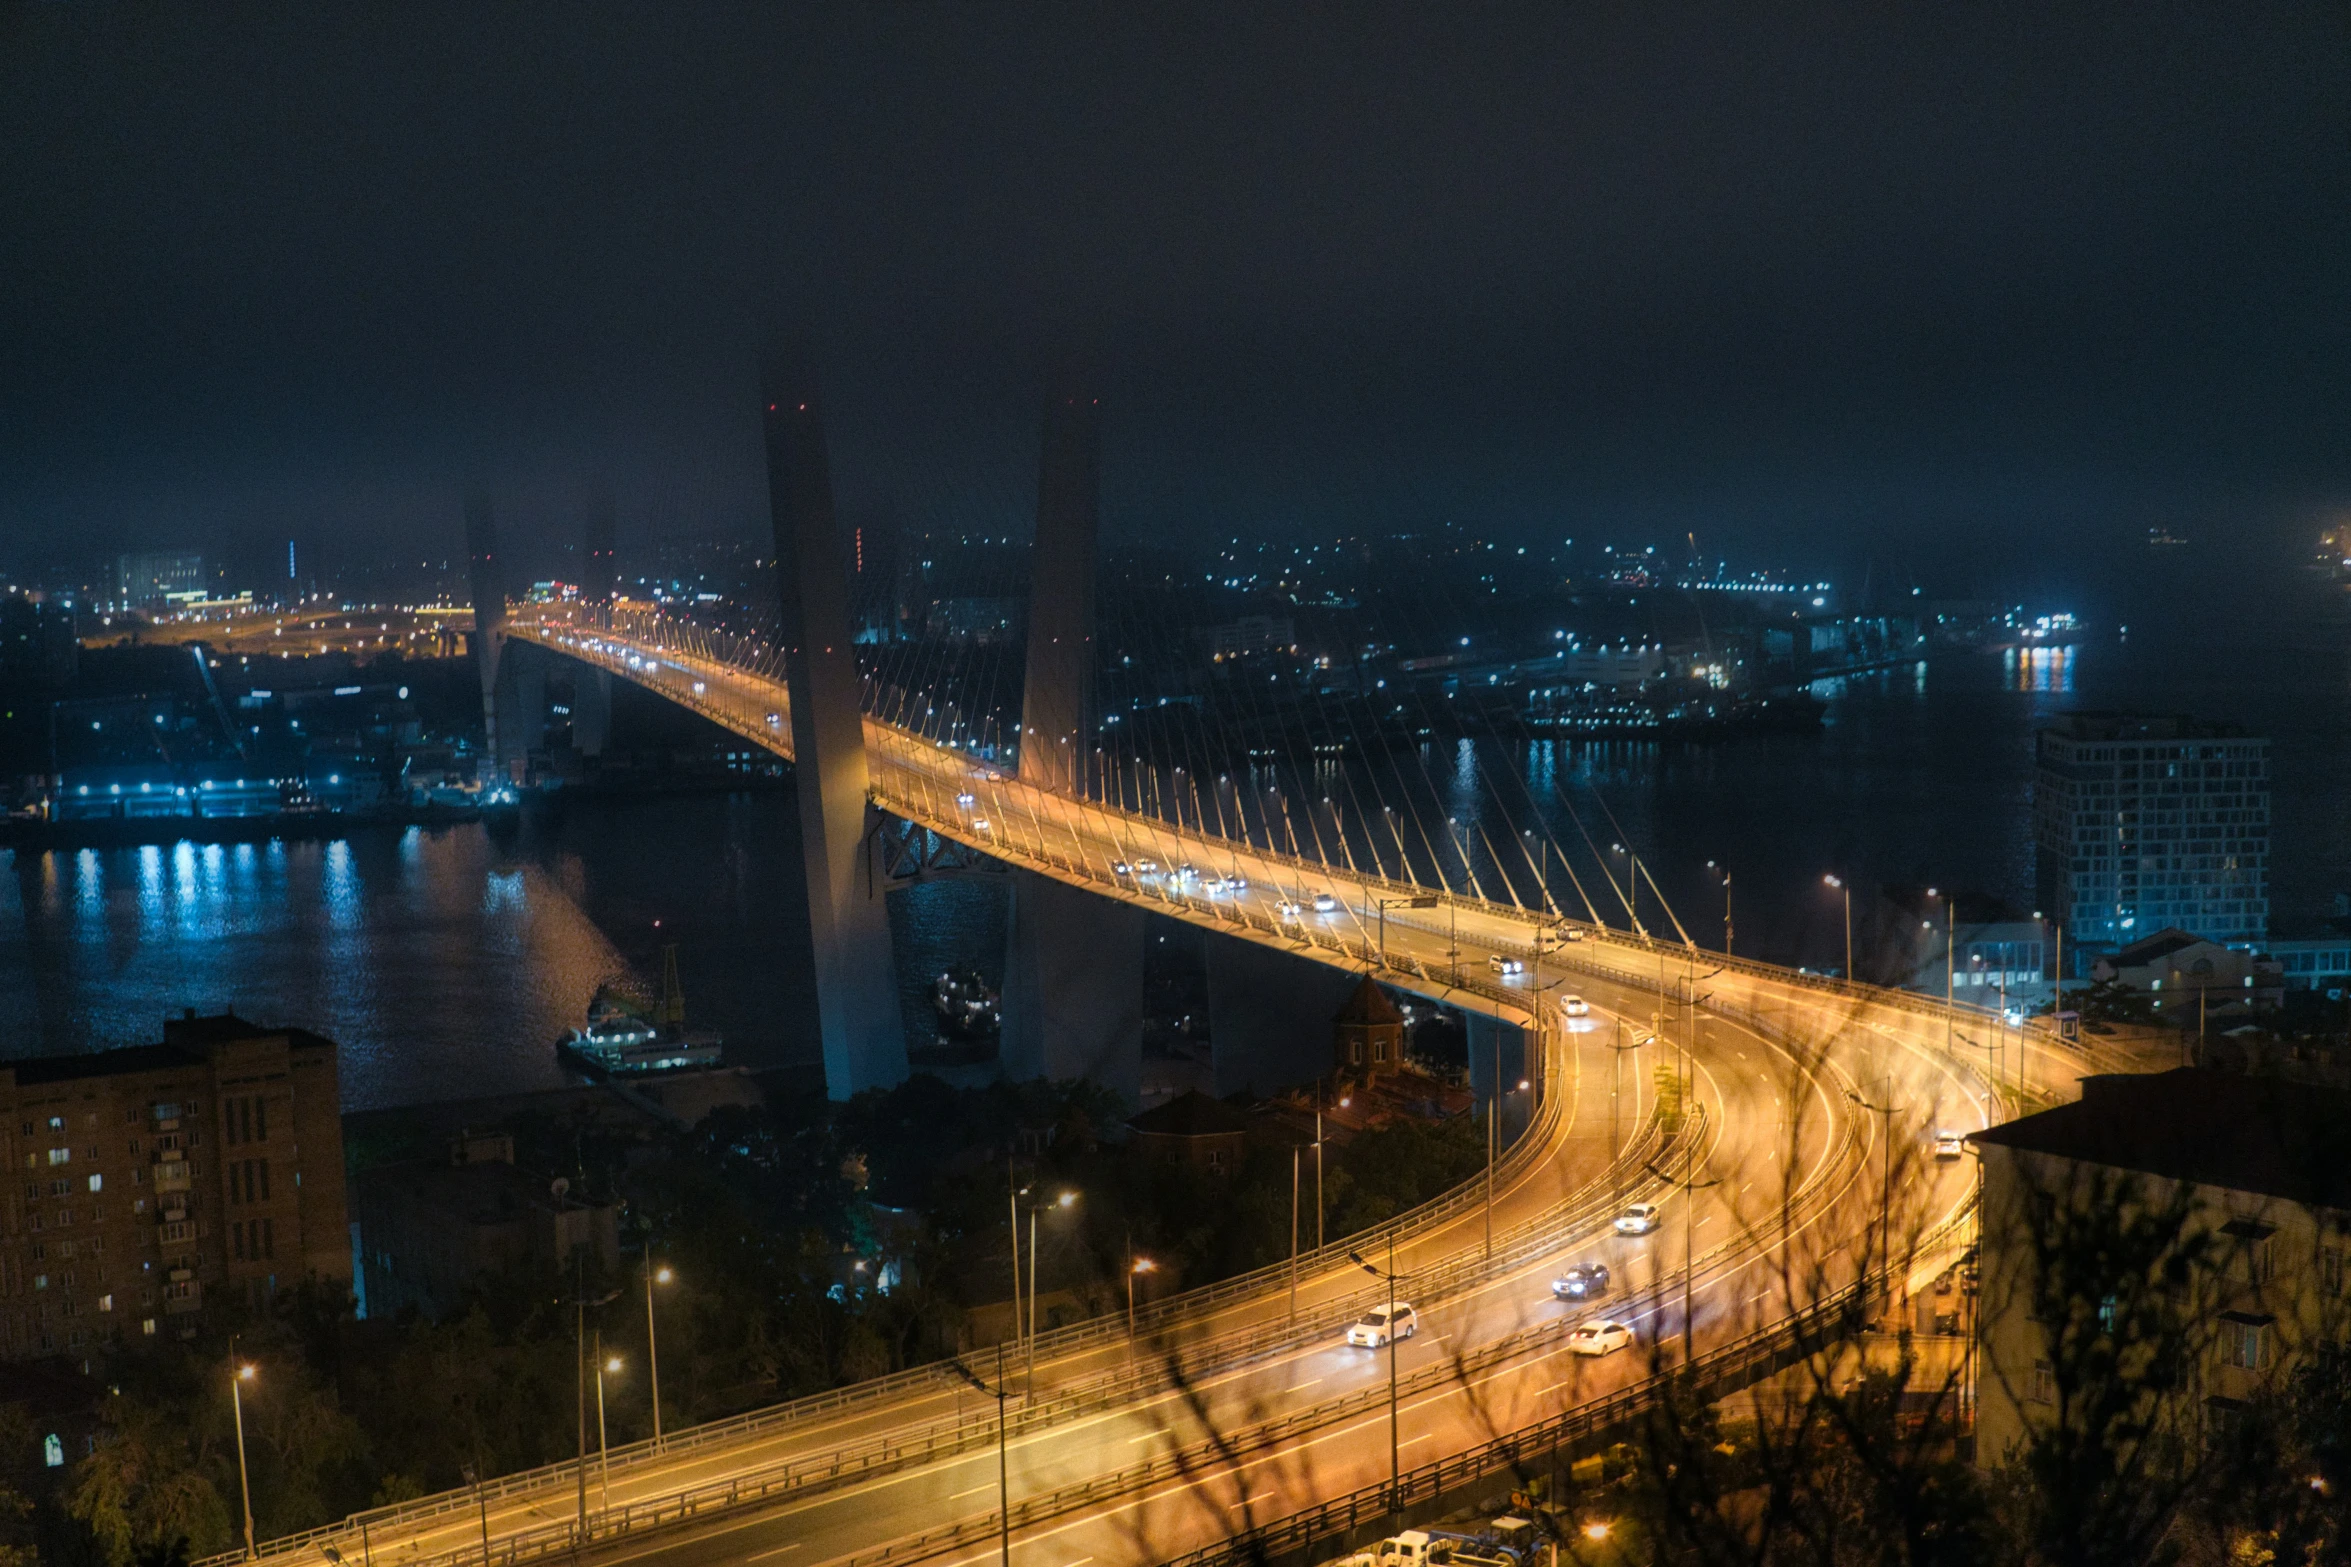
[(1775, 1059)]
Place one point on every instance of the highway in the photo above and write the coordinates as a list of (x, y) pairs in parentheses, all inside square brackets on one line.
[(1234, 1411)]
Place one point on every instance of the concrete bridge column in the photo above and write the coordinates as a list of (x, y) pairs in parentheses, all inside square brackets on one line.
[(1494, 1043), (591, 710), (485, 575), (1073, 964), (1270, 1015), (1057, 716), (521, 707), (856, 985), (1073, 987)]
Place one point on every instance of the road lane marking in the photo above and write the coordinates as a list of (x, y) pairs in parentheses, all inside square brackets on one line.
[(761, 1556), (974, 1491)]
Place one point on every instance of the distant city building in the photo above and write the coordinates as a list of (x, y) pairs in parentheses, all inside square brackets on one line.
[(2175, 970), (2147, 822), (1626, 665), (2255, 1160), (2001, 951), (37, 643), (1193, 1129), (2314, 962), (1252, 634), (431, 1230), (149, 579), (976, 619), (154, 1182)]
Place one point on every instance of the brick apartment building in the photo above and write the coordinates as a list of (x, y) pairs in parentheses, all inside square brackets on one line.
[(148, 1183)]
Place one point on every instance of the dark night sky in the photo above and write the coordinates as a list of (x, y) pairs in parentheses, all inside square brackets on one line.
[(1945, 281)]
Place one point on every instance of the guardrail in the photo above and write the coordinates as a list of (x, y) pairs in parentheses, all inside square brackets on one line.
[(939, 1377), (939, 1439), (1719, 1370)]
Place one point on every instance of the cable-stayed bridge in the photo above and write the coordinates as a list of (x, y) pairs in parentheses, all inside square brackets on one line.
[(1231, 1424)]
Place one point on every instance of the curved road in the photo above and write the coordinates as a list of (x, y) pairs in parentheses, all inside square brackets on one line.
[(1816, 1107)]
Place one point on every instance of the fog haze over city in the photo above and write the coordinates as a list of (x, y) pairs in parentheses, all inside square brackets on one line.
[(1964, 295)]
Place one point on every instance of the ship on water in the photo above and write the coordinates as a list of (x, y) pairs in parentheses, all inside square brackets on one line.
[(627, 1036)]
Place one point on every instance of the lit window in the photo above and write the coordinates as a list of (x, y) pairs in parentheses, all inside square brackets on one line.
[(97, 1182)]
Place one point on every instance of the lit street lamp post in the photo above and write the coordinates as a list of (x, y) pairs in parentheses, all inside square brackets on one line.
[(1690, 1186), (1886, 1186), (241, 1373), (1137, 1265), (604, 1363), (1066, 1199), (1395, 1448), (1726, 906), (653, 1276), (1838, 882)]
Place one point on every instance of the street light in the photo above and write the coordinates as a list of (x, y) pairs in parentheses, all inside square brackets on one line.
[(1886, 1188), (1137, 1267), (1616, 1088), (654, 1275), (604, 1363), (1395, 1449), (1632, 907), (1838, 883), (1063, 1200), (1001, 1392), (1691, 1185), (242, 1373), (1725, 874)]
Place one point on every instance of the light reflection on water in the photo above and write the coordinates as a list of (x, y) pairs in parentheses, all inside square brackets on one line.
[(446, 962)]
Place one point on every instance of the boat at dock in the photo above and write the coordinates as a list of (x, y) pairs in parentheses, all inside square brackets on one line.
[(628, 1036)]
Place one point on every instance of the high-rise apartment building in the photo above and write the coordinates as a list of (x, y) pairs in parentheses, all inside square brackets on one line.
[(146, 1184), (2146, 822)]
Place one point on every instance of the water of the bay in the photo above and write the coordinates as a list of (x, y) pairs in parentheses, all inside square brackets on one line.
[(446, 962)]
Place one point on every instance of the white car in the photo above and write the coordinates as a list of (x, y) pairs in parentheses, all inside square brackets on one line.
[(1508, 968), (1375, 1329), (1638, 1219), (1288, 910), (979, 824), (966, 798), (775, 720), (1950, 1145), (1574, 1006), (1324, 903), (1599, 1338), (1571, 934), (1146, 867)]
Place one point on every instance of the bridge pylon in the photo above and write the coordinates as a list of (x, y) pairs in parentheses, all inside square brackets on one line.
[(856, 983), (1073, 968), (514, 688)]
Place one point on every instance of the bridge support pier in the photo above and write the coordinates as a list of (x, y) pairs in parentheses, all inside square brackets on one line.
[(1493, 1044), (849, 928), (485, 575), (1270, 1015), (591, 710), (1073, 987), (520, 700)]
